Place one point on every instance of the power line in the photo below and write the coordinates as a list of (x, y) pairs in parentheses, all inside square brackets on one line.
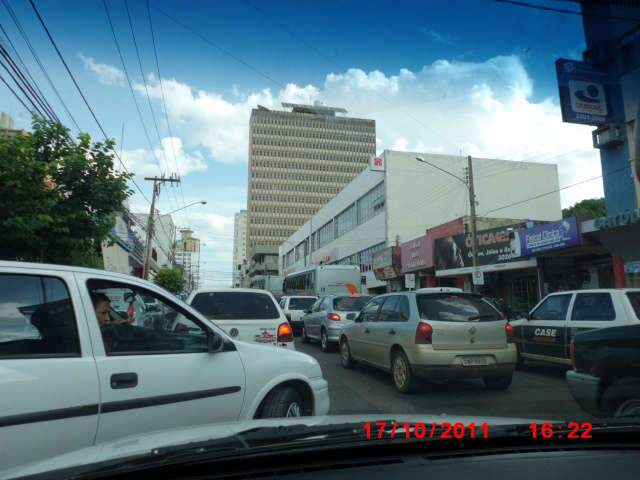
[(565, 11), (166, 111), (15, 94), (84, 98), (25, 37), (22, 89)]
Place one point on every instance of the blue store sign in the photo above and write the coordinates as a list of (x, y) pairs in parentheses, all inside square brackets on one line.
[(546, 237), (588, 95)]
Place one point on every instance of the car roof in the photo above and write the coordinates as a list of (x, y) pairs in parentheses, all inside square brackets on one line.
[(63, 268), (597, 290), (232, 290)]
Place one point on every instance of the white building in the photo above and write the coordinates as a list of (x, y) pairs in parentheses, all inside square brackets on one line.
[(397, 199), (163, 243), (239, 246)]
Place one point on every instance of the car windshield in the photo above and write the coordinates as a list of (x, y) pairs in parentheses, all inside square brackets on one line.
[(452, 307), (350, 304), (235, 306), (225, 215), (297, 303)]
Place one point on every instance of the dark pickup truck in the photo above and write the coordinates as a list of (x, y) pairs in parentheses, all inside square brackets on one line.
[(606, 377)]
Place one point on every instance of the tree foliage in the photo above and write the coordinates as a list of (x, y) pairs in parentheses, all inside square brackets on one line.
[(58, 197), (170, 279), (591, 207)]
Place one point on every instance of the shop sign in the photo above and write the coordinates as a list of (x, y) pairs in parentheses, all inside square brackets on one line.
[(588, 95), (455, 251), (632, 267), (376, 164), (414, 254), (619, 220), (546, 237), (386, 263)]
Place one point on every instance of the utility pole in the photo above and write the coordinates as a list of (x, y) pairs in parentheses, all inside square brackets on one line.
[(472, 210), (157, 182)]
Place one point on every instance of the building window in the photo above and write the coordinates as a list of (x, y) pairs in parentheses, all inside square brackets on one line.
[(371, 203)]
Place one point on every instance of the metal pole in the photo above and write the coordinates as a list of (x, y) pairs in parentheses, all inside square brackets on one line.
[(147, 247), (472, 209)]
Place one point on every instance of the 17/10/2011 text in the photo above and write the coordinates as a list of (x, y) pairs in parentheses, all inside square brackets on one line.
[(420, 430)]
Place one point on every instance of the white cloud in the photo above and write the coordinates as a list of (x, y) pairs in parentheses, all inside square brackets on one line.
[(480, 108), (107, 74), (167, 159)]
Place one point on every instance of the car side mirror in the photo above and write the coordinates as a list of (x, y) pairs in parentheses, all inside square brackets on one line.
[(215, 342), (307, 311), (358, 319)]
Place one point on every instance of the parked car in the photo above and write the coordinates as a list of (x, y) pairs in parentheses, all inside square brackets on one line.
[(294, 308), (547, 331), (327, 317), (246, 314), (605, 380), (435, 333), (82, 381)]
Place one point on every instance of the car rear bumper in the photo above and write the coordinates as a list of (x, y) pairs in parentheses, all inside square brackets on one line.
[(585, 389), (321, 402)]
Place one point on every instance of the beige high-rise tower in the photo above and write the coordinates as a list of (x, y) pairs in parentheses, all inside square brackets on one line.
[(299, 159)]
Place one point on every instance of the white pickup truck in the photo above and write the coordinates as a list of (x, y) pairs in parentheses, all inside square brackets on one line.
[(73, 374)]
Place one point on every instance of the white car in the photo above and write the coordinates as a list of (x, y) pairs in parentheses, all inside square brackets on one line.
[(246, 314), (69, 382), (294, 308)]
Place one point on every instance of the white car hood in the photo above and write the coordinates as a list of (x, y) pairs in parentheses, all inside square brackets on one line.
[(146, 443), (255, 355)]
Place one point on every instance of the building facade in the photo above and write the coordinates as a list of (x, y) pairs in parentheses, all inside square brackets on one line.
[(397, 198), (239, 246), (188, 258), (300, 159), (163, 244)]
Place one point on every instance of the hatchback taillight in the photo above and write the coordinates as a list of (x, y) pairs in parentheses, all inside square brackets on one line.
[(333, 317), (572, 354), (424, 332), (285, 333), (508, 328)]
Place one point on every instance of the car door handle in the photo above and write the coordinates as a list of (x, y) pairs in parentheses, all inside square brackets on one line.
[(392, 332), (366, 330), (124, 380)]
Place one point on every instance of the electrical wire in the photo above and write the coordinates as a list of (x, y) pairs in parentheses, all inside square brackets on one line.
[(15, 95), (25, 37)]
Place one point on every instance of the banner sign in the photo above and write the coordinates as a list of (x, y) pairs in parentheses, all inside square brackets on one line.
[(386, 263), (546, 237), (588, 94), (415, 254), (455, 251)]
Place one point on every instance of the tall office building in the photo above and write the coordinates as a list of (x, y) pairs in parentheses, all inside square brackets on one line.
[(239, 246), (188, 258), (299, 159)]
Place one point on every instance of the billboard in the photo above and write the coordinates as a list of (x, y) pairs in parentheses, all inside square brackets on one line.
[(588, 94), (386, 263), (455, 251), (415, 254), (546, 237)]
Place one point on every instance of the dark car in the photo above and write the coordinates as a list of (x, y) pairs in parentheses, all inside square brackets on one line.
[(606, 377)]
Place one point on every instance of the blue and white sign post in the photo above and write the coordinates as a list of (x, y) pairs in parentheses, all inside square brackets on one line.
[(588, 95)]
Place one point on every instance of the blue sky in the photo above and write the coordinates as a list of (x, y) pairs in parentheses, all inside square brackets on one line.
[(441, 76)]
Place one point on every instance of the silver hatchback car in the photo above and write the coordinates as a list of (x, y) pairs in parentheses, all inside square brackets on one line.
[(437, 333), (327, 317)]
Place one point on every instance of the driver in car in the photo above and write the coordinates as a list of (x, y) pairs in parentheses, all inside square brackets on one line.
[(102, 306)]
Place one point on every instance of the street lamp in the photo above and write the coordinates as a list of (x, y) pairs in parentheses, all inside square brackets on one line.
[(468, 183), (202, 202)]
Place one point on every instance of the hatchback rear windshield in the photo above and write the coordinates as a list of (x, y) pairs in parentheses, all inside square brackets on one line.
[(235, 306), (301, 303), (350, 304), (452, 307), (634, 298)]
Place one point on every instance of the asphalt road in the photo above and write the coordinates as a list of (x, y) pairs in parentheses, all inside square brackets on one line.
[(539, 391)]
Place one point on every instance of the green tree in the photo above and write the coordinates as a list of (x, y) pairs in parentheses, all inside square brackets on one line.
[(58, 197), (170, 279), (591, 207)]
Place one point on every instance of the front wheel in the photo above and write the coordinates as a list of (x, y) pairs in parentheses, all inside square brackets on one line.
[(403, 377), (498, 383), (346, 360), (283, 402)]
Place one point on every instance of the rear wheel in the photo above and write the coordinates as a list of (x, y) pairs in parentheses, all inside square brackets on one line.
[(346, 360), (403, 377), (498, 383), (303, 334), (325, 346), (283, 402), (621, 399)]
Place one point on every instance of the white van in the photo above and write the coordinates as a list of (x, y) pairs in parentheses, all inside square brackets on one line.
[(246, 314)]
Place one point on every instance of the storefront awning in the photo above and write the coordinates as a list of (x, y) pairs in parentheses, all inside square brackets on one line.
[(619, 234)]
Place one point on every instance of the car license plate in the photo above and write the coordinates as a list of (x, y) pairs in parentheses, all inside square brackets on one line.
[(475, 361)]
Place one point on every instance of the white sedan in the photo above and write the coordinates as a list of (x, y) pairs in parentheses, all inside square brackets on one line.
[(74, 374)]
